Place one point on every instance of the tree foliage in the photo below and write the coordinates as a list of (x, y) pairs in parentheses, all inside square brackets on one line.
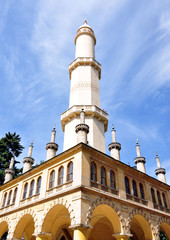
[(9, 146)]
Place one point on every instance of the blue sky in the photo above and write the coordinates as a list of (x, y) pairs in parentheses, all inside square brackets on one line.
[(133, 47)]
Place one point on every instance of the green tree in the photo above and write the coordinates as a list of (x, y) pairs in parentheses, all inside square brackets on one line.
[(9, 145), (162, 236)]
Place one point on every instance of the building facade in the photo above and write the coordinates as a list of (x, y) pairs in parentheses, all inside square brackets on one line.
[(82, 193)]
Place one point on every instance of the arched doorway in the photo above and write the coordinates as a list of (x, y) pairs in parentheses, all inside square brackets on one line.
[(140, 228), (25, 228), (105, 222), (165, 229), (57, 221), (3, 230)]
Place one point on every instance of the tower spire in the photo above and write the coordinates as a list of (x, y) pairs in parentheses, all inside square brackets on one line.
[(28, 161), (114, 147), (85, 73), (139, 161), (9, 172), (82, 129), (160, 172), (52, 147)]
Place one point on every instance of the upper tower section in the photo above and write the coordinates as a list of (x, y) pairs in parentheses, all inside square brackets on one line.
[(85, 71), (85, 41)]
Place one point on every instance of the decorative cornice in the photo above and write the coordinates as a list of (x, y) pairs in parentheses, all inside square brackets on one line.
[(90, 111), (139, 159), (28, 160), (52, 145), (114, 145), (10, 171), (160, 170), (85, 29), (82, 127), (85, 61)]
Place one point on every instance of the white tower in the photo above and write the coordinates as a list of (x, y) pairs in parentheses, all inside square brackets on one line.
[(28, 161), (52, 147), (139, 161), (114, 147), (9, 172), (82, 129), (160, 172), (85, 73)]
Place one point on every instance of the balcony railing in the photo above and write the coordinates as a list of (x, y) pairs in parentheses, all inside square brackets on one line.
[(104, 187)]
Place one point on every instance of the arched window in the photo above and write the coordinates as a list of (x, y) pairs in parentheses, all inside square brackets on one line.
[(153, 195), (32, 188), (159, 198), (93, 170), (135, 192), (15, 195), (103, 176), (70, 171), (112, 180), (61, 176), (4, 200), (52, 179), (164, 200), (25, 191), (127, 186), (38, 185), (142, 194), (9, 198)]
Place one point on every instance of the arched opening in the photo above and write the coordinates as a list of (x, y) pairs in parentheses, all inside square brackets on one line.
[(52, 179), (93, 170), (61, 176), (112, 180), (3, 230), (164, 231), (57, 222), (70, 171), (104, 222), (127, 186), (140, 228), (38, 185), (31, 193), (25, 228)]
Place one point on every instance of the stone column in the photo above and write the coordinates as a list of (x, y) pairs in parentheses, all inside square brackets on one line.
[(80, 233)]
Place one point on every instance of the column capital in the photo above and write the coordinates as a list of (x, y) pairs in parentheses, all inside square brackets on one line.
[(80, 226), (43, 235), (122, 236)]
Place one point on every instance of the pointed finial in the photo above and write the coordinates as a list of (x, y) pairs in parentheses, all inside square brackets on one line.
[(156, 154), (31, 143), (54, 127), (137, 141), (85, 21), (113, 127)]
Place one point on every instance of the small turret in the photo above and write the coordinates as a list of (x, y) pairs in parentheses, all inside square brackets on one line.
[(139, 161), (160, 172), (9, 172), (28, 161), (114, 147), (52, 147), (82, 129)]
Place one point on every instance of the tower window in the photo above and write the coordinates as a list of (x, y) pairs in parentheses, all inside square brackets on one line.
[(15, 195), (93, 172), (38, 185), (61, 176), (142, 195), (164, 200), (112, 180), (25, 191), (70, 171), (32, 188), (9, 198), (135, 192), (153, 195), (127, 187), (159, 198), (103, 176), (52, 179)]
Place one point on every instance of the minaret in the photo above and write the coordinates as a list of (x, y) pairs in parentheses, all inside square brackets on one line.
[(28, 161), (52, 147), (139, 161), (9, 172), (85, 73), (160, 172), (115, 147), (82, 129)]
